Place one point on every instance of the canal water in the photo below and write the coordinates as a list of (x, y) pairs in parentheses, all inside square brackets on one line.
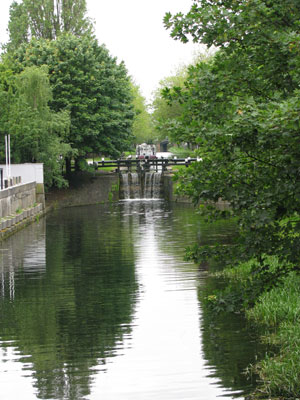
[(97, 302)]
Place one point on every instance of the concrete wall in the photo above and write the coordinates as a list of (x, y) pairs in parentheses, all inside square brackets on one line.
[(168, 187), (17, 197), (30, 172), (86, 188)]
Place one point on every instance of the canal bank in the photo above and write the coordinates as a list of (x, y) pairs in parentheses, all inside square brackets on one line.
[(273, 309)]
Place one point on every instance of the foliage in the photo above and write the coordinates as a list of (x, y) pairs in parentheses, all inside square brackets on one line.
[(37, 133), (142, 128), (242, 109), (245, 282), (46, 19), (264, 33), (164, 113), (17, 25), (88, 83), (270, 297)]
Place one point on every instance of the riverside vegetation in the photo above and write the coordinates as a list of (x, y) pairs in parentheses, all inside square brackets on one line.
[(240, 108)]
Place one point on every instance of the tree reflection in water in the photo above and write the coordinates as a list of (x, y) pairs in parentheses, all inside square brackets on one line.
[(70, 290), (67, 318), (230, 344)]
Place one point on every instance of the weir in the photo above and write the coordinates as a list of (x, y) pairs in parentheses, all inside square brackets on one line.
[(141, 185)]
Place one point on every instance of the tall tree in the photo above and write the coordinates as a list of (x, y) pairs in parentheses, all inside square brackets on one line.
[(46, 19), (89, 83), (167, 115)]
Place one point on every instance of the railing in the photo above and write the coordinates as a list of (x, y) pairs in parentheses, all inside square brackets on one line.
[(8, 182), (145, 163)]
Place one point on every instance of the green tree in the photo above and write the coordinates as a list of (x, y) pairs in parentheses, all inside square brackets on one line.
[(166, 114), (142, 127), (37, 133), (242, 109), (263, 36), (88, 83), (46, 19)]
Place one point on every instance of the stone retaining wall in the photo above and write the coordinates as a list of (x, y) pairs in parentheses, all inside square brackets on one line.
[(17, 198), (14, 222), (19, 206)]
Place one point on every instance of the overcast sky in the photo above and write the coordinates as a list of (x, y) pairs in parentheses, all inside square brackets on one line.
[(133, 31)]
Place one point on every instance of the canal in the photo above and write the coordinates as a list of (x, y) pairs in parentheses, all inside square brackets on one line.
[(97, 302)]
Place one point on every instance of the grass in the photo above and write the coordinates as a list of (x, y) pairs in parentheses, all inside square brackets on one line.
[(181, 152), (96, 159), (279, 305), (106, 168), (176, 168), (281, 373), (279, 312)]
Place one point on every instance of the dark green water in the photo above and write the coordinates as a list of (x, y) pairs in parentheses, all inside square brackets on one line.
[(97, 303)]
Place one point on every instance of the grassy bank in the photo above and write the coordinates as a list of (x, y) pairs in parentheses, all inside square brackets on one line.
[(279, 311), (274, 308)]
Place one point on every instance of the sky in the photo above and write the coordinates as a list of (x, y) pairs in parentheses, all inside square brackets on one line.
[(133, 31)]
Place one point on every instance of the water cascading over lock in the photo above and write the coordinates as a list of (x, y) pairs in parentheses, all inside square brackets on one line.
[(142, 185)]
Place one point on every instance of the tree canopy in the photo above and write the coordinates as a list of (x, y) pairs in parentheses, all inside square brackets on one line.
[(88, 98), (242, 109), (88, 83), (46, 19)]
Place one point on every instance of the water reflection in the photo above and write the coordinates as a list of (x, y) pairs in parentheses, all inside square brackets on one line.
[(98, 303), (22, 252), (65, 323), (229, 346)]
